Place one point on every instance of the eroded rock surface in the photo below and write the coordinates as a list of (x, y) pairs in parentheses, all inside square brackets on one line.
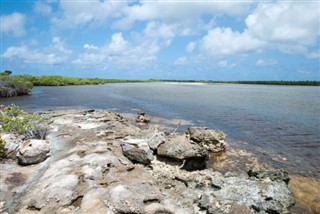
[(210, 139), (101, 162)]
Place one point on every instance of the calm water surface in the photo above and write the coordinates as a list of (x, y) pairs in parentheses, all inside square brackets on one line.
[(278, 120)]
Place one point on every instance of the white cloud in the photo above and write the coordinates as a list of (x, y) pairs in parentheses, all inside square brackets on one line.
[(190, 47), (275, 25), (84, 12), (181, 61), (224, 41), (42, 8), (87, 46), (288, 26), (120, 52), (266, 62), (13, 24), (56, 53), (118, 44), (177, 11)]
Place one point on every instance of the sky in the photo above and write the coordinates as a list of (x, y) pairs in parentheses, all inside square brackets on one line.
[(162, 39)]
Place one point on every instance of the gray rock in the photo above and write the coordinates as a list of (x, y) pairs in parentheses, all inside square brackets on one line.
[(259, 196), (131, 198), (274, 175), (179, 147), (156, 139), (137, 152), (210, 139), (12, 143), (33, 152)]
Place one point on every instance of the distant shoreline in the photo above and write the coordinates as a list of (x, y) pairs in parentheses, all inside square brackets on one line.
[(16, 85)]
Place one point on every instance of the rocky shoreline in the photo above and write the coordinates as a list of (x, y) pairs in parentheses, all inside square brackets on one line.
[(96, 161)]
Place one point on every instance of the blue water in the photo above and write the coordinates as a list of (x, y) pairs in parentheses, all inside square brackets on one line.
[(282, 120)]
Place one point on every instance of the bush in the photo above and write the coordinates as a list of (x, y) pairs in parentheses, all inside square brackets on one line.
[(2, 149), (13, 119)]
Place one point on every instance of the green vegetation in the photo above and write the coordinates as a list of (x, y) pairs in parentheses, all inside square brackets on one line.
[(2, 149), (13, 85), (303, 83), (14, 120), (64, 81)]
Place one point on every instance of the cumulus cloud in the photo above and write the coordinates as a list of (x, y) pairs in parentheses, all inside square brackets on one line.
[(137, 49), (56, 53), (265, 62), (42, 8), (13, 24), (269, 26), (190, 47), (88, 46), (224, 41), (282, 22), (175, 11), (84, 12)]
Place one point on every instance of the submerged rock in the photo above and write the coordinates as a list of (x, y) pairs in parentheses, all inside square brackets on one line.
[(274, 175), (210, 139), (33, 152)]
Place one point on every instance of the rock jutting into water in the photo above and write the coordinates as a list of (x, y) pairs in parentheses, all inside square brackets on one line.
[(101, 162)]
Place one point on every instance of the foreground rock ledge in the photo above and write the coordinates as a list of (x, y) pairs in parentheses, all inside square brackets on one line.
[(101, 162)]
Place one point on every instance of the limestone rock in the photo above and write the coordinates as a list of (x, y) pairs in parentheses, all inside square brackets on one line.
[(137, 152), (259, 196), (179, 147), (33, 152), (210, 139), (156, 139), (131, 198)]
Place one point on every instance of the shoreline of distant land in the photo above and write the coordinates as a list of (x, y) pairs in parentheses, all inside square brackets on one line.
[(17, 85)]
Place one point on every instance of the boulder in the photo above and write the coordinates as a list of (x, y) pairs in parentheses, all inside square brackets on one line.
[(180, 148), (33, 152), (210, 139), (140, 153), (155, 139)]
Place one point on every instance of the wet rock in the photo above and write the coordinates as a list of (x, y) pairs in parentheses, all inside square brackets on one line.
[(274, 175), (212, 140), (140, 153), (155, 139), (33, 152), (141, 118), (179, 147)]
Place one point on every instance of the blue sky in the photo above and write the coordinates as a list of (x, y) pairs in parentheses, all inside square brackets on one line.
[(162, 39)]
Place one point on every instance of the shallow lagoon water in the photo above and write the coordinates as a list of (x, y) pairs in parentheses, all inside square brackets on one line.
[(281, 124)]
